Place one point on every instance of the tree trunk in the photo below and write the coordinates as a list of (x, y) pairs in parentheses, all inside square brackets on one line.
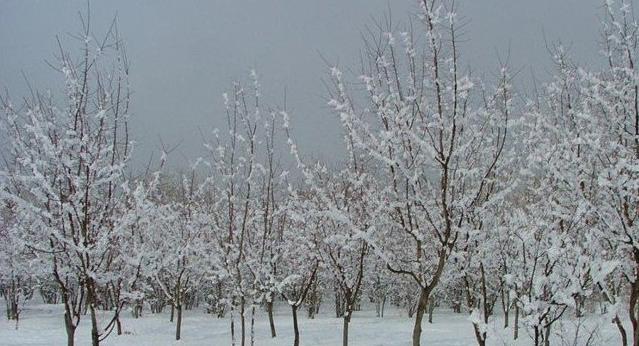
[(243, 323), (419, 315), (14, 310), (516, 328), (479, 336), (118, 325), (68, 318), (252, 325), (172, 313), (269, 309), (339, 304), (431, 308), (90, 303), (232, 328), (633, 318), (632, 302), (178, 325), (95, 337), (345, 331), (383, 305), (296, 331), (622, 331), (70, 328), (505, 304)]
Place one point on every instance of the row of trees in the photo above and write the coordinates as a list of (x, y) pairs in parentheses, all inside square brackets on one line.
[(453, 192)]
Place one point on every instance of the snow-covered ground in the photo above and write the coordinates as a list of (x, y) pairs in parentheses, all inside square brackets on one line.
[(42, 325)]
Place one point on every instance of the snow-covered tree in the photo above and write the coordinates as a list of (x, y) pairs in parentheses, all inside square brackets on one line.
[(18, 265), (300, 262), (339, 205), (69, 162), (246, 187), (422, 121), (173, 244)]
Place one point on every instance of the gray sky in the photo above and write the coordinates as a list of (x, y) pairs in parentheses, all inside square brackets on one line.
[(184, 54)]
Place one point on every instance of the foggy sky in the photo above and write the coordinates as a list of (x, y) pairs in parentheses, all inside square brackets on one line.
[(185, 54)]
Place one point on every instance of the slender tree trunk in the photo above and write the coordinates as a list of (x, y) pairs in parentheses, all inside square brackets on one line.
[(252, 325), (172, 312), (95, 337), (431, 308), (632, 312), (383, 305), (90, 303), (243, 322), (118, 325), (345, 330), (17, 320), (516, 328), (419, 315), (232, 328), (14, 310), (505, 304), (68, 319), (622, 331), (296, 331), (178, 325), (632, 302), (269, 309), (339, 304)]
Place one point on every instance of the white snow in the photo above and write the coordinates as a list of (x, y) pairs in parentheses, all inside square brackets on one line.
[(43, 325)]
